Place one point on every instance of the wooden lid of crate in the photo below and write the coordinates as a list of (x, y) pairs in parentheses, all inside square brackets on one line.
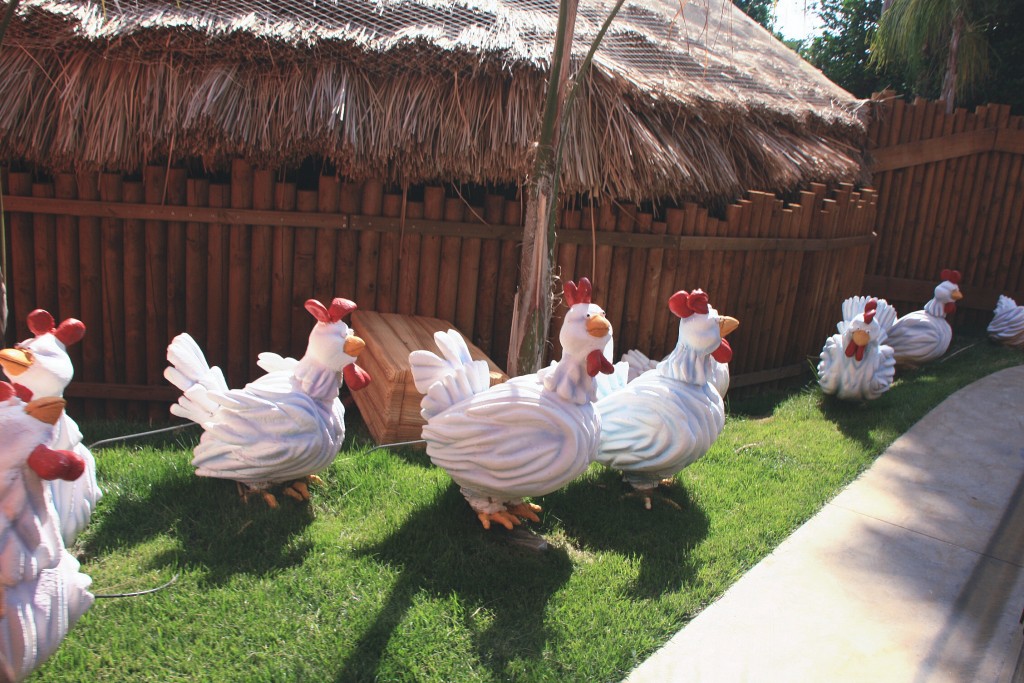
[(390, 405)]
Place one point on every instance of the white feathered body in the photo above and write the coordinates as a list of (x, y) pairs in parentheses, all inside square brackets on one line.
[(847, 377), (923, 336), (284, 426), (656, 426), (43, 592), (920, 337), (1007, 326), (526, 437), (49, 374)]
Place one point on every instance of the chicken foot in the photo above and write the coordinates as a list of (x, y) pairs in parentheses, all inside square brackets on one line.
[(299, 489), (245, 491), (648, 494), (511, 516)]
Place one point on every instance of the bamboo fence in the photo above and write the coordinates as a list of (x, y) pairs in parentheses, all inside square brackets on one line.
[(951, 193), (140, 260)]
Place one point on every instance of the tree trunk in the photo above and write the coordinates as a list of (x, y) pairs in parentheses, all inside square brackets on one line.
[(531, 316), (952, 62)]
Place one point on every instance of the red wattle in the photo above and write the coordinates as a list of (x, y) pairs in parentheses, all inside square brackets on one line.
[(355, 377), (50, 464), (854, 351), (949, 308), (596, 362), (723, 354)]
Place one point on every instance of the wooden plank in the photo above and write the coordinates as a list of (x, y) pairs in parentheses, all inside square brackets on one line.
[(903, 289), (217, 276), (651, 287), (934, 218), (176, 194), (345, 225), (664, 322), (90, 256), (240, 245), (261, 271), (154, 179), (451, 252), (603, 255), (21, 275), (347, 255), (508, 281), (469, 277), (390, 246), (112, 274), (1011, 222), (282, 272), (68, 276), (490, 270), (44, 242), (430, 253), (618, 290), (134, 287), (408, 255), (904, 215), (369, 246), (197, 193), (991, 242), (920, 152), (325, 241), (920, 189), (139, 393), (565, 266), (303, 283)]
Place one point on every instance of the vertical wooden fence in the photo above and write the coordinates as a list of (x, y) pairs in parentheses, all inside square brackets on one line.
[(951, 193), (232, 262)]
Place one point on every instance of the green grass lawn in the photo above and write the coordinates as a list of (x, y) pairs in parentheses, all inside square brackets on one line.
[(386, 575)]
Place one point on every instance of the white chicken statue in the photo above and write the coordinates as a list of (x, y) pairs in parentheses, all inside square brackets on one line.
[(526, 437), (282, 428), (42, 591), (42, 365), (669, 416), (923, 336), (856, 363), (1007, 326)]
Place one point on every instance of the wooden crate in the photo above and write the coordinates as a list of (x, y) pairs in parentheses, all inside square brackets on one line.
[(390, 405)]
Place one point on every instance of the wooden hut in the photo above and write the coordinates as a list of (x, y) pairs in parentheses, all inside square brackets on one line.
[(210, 165)]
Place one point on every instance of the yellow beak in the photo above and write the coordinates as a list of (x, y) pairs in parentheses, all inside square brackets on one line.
[(957, 295), (354, 345), (598, 326), (727, 324), (47, 409), (861, 338), (15, 361)]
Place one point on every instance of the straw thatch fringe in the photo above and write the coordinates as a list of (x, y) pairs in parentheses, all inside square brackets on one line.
[(82, 91)]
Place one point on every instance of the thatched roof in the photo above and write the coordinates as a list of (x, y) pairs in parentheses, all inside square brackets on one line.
[(695, 103)]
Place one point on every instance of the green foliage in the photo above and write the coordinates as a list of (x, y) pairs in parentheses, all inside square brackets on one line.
[(1006, 82), (842, 51), (939, 41), (386, 575), (761, 11)]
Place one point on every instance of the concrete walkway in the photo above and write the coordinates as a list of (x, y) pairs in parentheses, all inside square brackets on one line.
[(914, 573)]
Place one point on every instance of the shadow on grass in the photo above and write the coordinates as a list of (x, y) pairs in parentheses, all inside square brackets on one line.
[(602, 513), (442, 550), (216, 532)]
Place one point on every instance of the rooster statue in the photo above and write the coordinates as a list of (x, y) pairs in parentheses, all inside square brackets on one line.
[(856, 364), (526, 437), (42, 591), (282, 428), (1007, 326), (668, 417), (923, 336), (42, 365)]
